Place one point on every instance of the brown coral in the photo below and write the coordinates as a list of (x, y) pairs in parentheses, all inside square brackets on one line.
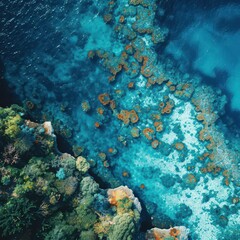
[(104, 98), (211, 168), (135, 132), (129, 49), (160, 79), (156, 116), (148, 133), (179, 146), (100, 111), (97, 124), (138, 56), (191, 179), (131, 85), (112, 104), (133, 116), (167, 108), (113, 151), (155, 144), (158, 126), (146, 69), (127, 116), (124, 116), (121, 19)]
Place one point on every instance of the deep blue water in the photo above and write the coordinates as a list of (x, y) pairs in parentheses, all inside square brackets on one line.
[(44, 51), (206, 40)]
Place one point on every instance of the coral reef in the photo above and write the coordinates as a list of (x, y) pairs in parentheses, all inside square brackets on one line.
[(48, 188), (99, 74)]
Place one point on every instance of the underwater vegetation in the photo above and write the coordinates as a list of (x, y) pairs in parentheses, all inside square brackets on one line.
[(119, 136), (49, 195)]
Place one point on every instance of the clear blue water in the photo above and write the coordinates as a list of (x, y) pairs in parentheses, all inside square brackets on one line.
[(44, 50)]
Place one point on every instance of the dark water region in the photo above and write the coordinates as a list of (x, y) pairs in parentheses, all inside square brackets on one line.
[(30, 25), (205, 39), (7, 95), (24, 27)]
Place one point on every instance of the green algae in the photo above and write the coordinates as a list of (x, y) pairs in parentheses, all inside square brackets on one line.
[(72, 207)]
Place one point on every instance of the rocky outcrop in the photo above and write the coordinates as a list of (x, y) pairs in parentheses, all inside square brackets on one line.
[(176, 233)]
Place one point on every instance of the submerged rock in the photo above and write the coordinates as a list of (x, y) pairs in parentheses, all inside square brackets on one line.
[(176, 233), (117, 194), (82, 165)]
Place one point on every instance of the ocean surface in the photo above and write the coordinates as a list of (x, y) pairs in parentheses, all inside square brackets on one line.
[(174, 159)]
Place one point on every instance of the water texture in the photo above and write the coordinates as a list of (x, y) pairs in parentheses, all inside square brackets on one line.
[(148, 108), (206, 40)]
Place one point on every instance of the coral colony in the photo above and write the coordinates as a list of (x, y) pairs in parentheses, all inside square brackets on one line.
[(122, 130)]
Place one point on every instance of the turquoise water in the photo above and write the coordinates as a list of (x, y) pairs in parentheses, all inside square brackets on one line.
[(182, 180)]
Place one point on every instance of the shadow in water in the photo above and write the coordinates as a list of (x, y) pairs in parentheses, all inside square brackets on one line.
[(231, 117), (7, 96)]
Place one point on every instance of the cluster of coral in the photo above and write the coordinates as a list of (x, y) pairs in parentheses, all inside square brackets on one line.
[(178, 116), (45, 194)]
